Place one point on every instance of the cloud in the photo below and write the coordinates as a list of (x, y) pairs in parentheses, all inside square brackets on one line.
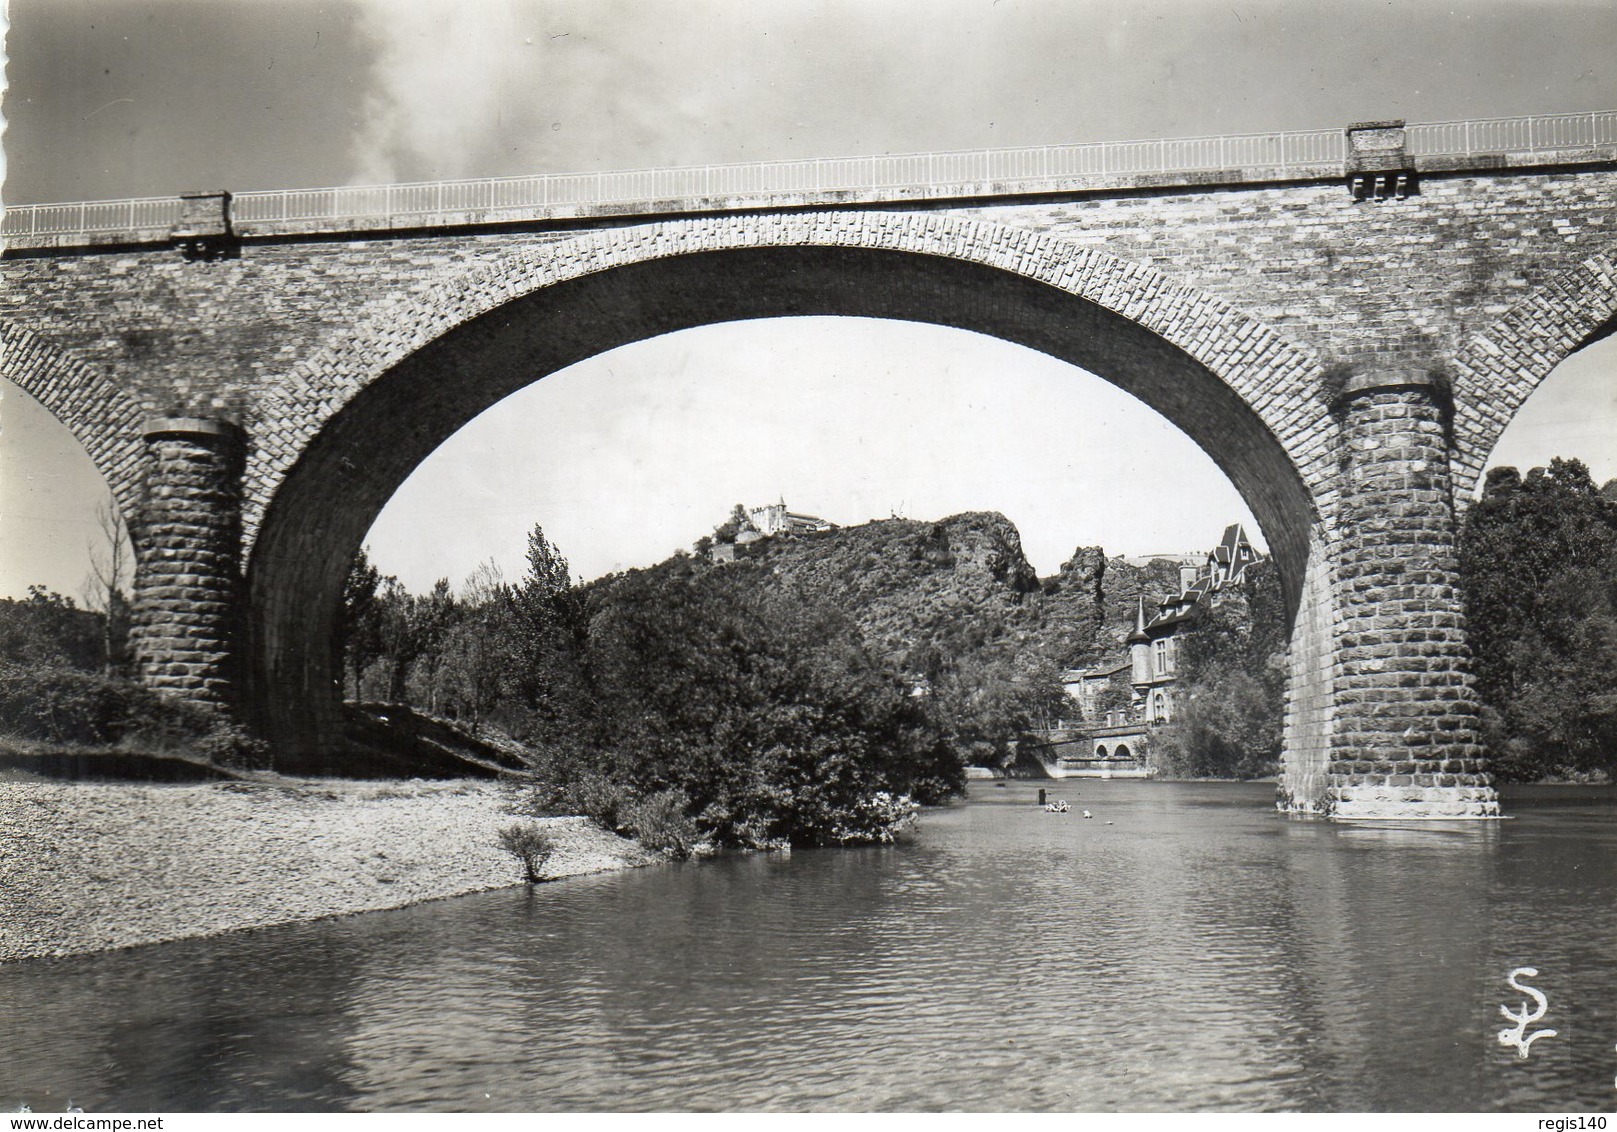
[(445, 82)]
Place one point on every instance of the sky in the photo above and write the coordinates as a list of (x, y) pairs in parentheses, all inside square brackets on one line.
[(628, 456)]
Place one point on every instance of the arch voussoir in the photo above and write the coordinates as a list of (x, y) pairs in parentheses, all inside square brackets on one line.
[(101, 415), (1497, 369), (1237, 386), (1257, 363)]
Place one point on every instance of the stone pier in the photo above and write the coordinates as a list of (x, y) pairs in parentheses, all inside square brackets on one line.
[(1405, 740), (187, 594)]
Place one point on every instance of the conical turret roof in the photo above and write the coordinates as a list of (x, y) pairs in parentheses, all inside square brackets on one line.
[(1139, 637)]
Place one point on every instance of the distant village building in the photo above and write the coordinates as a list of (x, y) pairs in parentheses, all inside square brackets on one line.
[(1110, 735), (1087, 685)]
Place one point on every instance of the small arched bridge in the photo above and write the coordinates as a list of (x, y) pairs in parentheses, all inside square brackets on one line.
[(1345, 320)]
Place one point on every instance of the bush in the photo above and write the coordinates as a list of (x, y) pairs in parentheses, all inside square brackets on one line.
[(61, 705), (69, 705), (530, 845), (879, 819), (229, 745), (661, 823), (48, 631), (565, 792)]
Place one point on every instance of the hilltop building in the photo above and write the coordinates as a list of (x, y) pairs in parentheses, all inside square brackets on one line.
[(774, 519), (767, 522)]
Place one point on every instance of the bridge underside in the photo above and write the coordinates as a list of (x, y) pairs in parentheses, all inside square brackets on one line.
[(347, 473), (1381, 719)]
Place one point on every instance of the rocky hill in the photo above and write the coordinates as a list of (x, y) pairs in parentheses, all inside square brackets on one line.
[(923, 592)]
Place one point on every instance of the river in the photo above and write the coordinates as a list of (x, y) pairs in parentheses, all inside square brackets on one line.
[(1184, 949)]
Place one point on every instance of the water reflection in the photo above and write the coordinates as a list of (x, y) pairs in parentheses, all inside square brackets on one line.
[(1187, 949)]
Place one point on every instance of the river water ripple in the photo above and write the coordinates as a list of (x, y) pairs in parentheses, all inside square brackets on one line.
[(1185, 949)]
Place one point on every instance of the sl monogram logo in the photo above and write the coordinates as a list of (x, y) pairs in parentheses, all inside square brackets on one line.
[(1518, 1035)]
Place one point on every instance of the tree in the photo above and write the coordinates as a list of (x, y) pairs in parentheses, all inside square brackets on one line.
[(396, 631), (112, 566), (548, 573), (478, 653), (1230, 702), (546, 689), (983, 702), (49, 631), (765, 710), (1538, 565), (1117, 696), (431, 618), (360, 641), (738, 521)]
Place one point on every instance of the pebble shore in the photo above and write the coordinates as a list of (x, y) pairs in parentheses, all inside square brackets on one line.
[(95, 866)]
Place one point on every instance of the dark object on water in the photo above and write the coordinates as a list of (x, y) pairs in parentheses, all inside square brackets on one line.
[(1041, 797), (1001, 785)]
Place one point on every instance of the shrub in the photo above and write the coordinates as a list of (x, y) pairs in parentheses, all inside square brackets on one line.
[(68, 705), (530, 845), (881, 818), (229, 744), (48, 631), (60, 705), (662, 823), (599, 797)]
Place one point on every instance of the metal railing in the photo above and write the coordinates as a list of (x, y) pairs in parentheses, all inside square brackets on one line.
[(918, 173), (978, 172), (89, 217), (1545, 133)]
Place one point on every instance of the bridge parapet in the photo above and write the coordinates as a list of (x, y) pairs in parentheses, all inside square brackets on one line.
[(1158, 163)]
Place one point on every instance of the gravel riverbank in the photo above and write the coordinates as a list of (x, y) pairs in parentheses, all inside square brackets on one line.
[(94, 866)]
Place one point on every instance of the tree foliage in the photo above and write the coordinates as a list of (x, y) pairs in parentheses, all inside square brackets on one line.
[(1231, 690), (764, 709), (738, 521), (682, 703), (530, 845), (360, 629), (1538, 561), (984, 701), (49, 630)]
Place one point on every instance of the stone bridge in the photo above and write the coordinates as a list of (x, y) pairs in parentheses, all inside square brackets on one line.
[(1345, 320)]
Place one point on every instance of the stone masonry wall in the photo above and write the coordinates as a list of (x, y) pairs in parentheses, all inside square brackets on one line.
[(186, 610), (1310, 693), (1404, 741), (1457, 271)]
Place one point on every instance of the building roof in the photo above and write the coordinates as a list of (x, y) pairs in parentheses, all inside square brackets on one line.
[(1093, 672), (1139, 635), (1233, 552)]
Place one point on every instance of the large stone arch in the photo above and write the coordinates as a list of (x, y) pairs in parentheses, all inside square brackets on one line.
[(102, 416), (333, 443), (1498, 369)]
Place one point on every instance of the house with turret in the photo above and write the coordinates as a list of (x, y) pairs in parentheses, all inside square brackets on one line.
[(1154, 644), (1113, 738)]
